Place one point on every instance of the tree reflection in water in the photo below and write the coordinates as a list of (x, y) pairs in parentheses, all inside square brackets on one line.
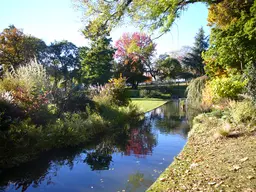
[(137, 140), (98, 155), (170, 119), (141, 142), (38, 171)]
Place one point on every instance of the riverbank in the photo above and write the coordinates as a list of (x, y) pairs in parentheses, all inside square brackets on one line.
[(148, 104), (213, 159)]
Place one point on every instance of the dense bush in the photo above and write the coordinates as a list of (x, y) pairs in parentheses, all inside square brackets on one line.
[(8, 114), (115, 92), (29, 89), (243, 112), (150, 93), (226, 87)]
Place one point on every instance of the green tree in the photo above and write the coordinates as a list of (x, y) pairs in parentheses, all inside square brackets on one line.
[(17, 49), (147, 13), (232, 43), (194, 60), (63, 60), (167, 67), (97, 61)]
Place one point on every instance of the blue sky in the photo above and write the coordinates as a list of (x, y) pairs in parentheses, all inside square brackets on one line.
[(57, 20)]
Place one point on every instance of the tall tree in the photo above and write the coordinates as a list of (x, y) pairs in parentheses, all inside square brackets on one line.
[(134, 54), (233, 39), (194, 59), (62, 60), (97, 61), (16, 48)]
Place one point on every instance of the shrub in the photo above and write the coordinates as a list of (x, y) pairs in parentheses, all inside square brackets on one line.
[(73, 129), (223, 131), (28, 85), (77, 101), (114, 92), (226, 87), (133, 93), (243, 112), (8, 114), (150, 93), (114, 114), (207, 96), (144, 93), (31, 77)]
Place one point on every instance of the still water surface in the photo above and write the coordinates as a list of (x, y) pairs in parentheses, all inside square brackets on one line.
[(129, 160)]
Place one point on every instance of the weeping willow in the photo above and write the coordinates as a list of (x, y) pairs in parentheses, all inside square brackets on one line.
[(194, 91)]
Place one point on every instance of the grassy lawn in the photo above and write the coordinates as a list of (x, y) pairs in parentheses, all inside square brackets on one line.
[(210, 163), (148, 104)]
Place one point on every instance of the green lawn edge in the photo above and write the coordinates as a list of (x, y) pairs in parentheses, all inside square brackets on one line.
[(207, 163), (148, 104)]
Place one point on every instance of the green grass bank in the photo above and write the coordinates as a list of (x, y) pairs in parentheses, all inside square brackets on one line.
[(217, 157), (148, 104)]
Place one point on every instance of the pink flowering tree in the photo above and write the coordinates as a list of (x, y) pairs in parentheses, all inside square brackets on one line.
[(134, 53)]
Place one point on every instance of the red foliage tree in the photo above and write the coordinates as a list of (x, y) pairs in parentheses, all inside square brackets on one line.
[(134, 52)]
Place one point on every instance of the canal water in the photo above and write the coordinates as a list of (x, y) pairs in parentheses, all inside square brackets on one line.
[(129, 159)]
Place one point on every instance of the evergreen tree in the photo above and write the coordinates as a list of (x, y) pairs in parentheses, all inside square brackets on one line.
[(194, 60), (97, 61)]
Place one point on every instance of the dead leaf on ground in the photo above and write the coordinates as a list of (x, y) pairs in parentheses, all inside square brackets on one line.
[(244, 159), (235, 168), (250, 177), (162, 179), (193, 165)]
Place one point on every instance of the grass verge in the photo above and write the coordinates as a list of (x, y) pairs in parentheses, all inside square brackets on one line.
[(148, 104), (209, 162)]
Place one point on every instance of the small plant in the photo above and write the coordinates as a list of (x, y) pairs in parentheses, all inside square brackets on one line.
[(224, 130), (243, 112)]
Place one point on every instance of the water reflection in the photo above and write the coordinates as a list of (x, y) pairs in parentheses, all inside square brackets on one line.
[(137, 181), (140, 143), (100, 155), (171, 121)]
